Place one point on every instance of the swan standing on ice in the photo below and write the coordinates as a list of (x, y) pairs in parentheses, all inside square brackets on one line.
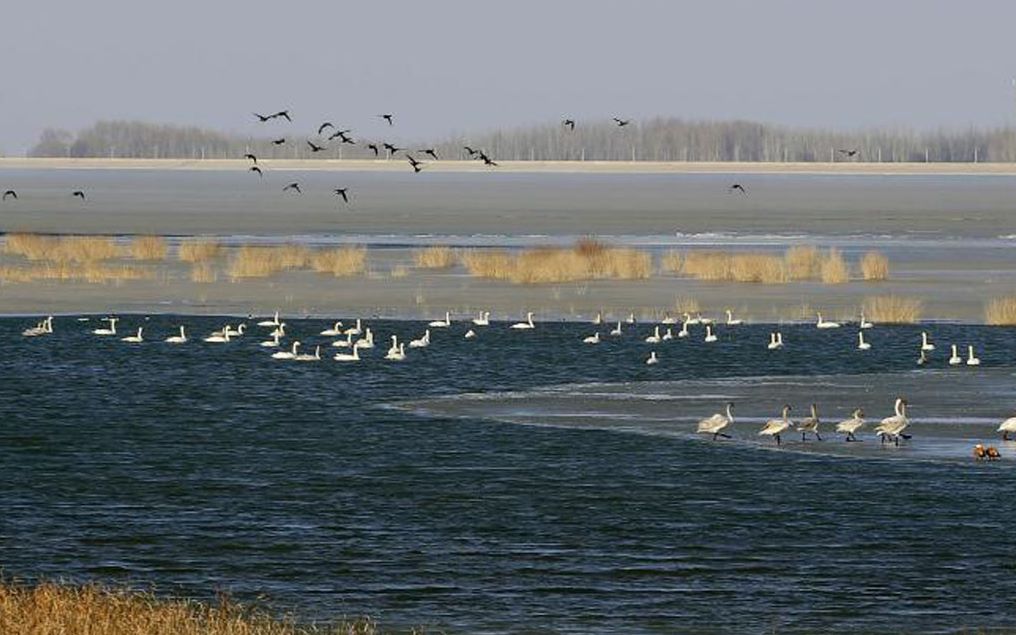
[(654, 338), (925, 344), (422, 342), (442, 324), (851, 425), (134, 339), (971, 360), (809, 425), (864, 324), (177, 339), (893, 427), (824, 324), (306, 357), (592, 339), (715, 424), (731, 321), (290, 354), (470, 334), (272, 322), (332, 332), (528, 324), (710, 336), (653, 359), (775, 427), (617, 330), (1007, 426), (861, 344), (111, 330), (348, 357), (483, 319), (955, 359)]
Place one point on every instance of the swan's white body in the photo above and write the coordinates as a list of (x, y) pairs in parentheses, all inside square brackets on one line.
[(655, 337), (826, 324), (926, 345), (710, 336), (684, 327), (367, 341), (394, 348), (598, 320), (775, 341), (971, 360), (631, 318), (688, 319), (715, 424), (667, 319), (810, 424), (421, 342), (354, 330), (861, 344), (348, 357), (272, 343), (775, 427), (272, 322), (237, 332), (703, 320), (111, 330), (220, 337), (528, 324), (483, 319), (864, 324), (851, 425), (616, 330), (346, 343), (306, 357), (178, 339), (290, 354), (893, 427), (332, 332), (731, 321), (442, 324), (44, 327), (653, 359), (134, 339), (397, 355), (592, 339), (280, 331), (955, 359), (669, 335), (1007, 426), (470, 334)]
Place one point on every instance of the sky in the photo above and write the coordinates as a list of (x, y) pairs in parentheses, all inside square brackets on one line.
[(461, 66)]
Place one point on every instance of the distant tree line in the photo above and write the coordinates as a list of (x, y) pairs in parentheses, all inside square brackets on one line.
[(661, 139)]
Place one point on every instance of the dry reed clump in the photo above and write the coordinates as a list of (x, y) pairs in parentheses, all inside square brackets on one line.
[(707, 265), (92, 272), (263, 261), (199, 250), (62, 248), (49, 608), (492, 263), (587, 260), (148, 248), (343, 261), (761, 268), (803, 262), (874, 266), (434, 258), (892, 309), (203, 272), (671, 262), (834, 268), (1001, 311)]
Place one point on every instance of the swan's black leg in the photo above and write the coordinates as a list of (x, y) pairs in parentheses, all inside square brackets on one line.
[(777, 439), (817, 436)]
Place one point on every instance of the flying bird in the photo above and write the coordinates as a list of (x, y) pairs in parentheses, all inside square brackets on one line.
[(263, 118), (487, 160), (417, 166), (471, 152), (569, 123), (390, 148), (388, 118), (293, 186), (79, 194), (278, 142), (284, 114), (341, 191), (621, 123), (346, 139), (257, 170), (314, 148), (251, 157), (322, 127), (849, 153), (10, 193), (738, 187), (339, 133), (431, 152), (373, 146)]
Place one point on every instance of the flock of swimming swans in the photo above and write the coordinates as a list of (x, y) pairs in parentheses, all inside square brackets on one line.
[(359, 336)]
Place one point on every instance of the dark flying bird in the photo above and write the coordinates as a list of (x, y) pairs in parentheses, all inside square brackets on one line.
[(314, 148), (263, 118), (431, 152), (417, 166), (341, 191), (257, 170), (487, 160), (251, 157), (79, 194), (373, 146), (389, 147), (346, 139), (388, 118), (738, 187), (293, 186), (849, 153), (621, 123), (322, 127), (471, 152), (11, 193), (339, 133), (278, 142), (284, 114), (569, 123)]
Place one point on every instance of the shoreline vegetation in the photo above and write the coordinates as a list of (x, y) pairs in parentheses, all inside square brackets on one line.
[(57, 608), (31, 259)]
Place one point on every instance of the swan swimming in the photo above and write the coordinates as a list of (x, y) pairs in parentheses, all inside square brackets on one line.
[(688, 319), (307, 357), (334, 331), (653, 359), (893, 427), (598, 320), (441, 324), (367, 341), (111, 330), (617, 330), (825, 324), (861, 344), (971, 360), (272, 322), (397, 355), (483, 319), (44, 327), (272, 343), (731, 321), (592, 339), (703, 320), (715, 424), (809, 425), (955, 359), (290, 354), (346, 343), (280, 330), (177, 339), (775, 427), (219, 337), (354, 330), (655, 337), (775, 341), (528, 324), (1007, 426), (348, 357), (470, 334), (925, 344), (864, 324), (669, 335), (684, 327), (851, 425), (710, 336), (631, 318), (394, 348), (134, 339), (422, 342)]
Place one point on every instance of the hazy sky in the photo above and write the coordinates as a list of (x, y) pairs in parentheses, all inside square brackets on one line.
[(470, 65)]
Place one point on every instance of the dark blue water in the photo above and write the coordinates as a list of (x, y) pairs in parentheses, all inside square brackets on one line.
[(212, 467)]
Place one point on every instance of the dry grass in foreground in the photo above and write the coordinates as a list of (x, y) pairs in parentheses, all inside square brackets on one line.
[(1001, 312), (199, 250), (892, 309), (148, 248), (54, 609), (61, 249), (587, 260), (434, 258)]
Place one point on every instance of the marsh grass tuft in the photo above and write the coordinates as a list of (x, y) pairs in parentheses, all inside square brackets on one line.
[(874, 266), (434, 258), (804, 262), (342, 261), (834, 269), (148, 248), (81, 249), (893, 309), (587, 260), (671, 262), (199, 250), (203, 272), (1001, 311)]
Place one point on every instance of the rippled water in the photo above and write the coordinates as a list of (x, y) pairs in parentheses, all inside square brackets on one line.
[(391, 489)]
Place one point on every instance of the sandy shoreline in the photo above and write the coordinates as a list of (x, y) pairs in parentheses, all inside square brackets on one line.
[(550, 167)]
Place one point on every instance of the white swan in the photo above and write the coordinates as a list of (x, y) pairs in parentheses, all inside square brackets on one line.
[(710, 336), (655, 337), (851, 425), (864, 324), (861, 344), (367, 341), (653, 359), (219, 337), (775, 427), (44, 327), (810, 425), (631, 318), (684, 327), (592, 339), (280, 330), (470, 334), (272, 343), (237, 332), (616, 330), (442, 324), (307, 357), (731, 321), (528, 324), (394, 348), (346, 343), (397, 355), (421, 342), (348, 357), (111, 330), (893, 427), (1007, 426), (703, 320), (290, 354), (669, 335), (332, 332), (272, 322), (668, 319), (955, 359), (925, 344), (715, 424), (354, 330), (134, 339), (923, 359), (483, 319), (773, 343), (598, 320), (177, 339), (971, 360), (688, 319), (825, 324)]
